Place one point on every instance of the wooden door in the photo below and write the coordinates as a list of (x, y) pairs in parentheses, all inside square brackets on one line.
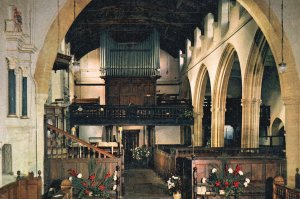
[(130, 141)]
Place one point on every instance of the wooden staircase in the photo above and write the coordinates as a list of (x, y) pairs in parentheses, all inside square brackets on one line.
[(61, 144), (65, 151)]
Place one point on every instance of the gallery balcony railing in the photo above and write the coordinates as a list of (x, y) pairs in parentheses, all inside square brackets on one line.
[(95, 114)]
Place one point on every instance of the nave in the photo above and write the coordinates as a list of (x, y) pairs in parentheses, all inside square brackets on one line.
[(144, 184)]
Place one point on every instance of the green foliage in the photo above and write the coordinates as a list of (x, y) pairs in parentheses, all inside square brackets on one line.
[(98, 183), (174, 184), (141, 153), (232, 181)]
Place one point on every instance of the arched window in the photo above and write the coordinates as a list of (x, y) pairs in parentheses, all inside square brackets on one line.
[(11, 92), (24, 97)]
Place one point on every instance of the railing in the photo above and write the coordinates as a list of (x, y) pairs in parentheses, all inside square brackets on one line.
[(214, 151), (24, 188), (94, 114), (280, 191), (61, 144), (272, 141)]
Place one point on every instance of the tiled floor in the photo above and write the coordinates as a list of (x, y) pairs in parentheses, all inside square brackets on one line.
[(144, 184)]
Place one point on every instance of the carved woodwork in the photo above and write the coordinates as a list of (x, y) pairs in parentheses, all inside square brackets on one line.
[(135, 91)]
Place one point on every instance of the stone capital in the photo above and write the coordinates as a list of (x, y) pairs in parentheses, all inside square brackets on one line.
[(291, 100), (25, 71), (12, 63), (250, 101), (198, 113)]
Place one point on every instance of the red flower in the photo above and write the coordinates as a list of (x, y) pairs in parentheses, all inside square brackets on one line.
[(72, 172), (92, 177), (218, 183), (107, 175), (84, 184), (101, 187), (226, 183), (86, 192), (236, 184), (237, 169), (93, 183)]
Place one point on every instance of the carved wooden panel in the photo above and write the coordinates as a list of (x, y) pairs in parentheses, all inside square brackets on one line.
[(134, 90)]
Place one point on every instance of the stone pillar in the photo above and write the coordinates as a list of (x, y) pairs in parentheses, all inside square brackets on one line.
[(38, 138), (217, 130), (198, 131), (250, 123), (292, 127), (1, 165)]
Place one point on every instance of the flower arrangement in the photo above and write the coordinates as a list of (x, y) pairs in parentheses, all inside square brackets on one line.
[(141, 153), (174, 184), (232, 181), (94, 185)]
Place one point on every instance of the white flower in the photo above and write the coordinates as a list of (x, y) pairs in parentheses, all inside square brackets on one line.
[(175, 177), (214, 170), (79, 175), (91, 193), (247, 180), (241, 173), (230, 170), (203, 180), (172, 184), (114, 187), (169, 183), (70, 178), (115, 177), (245, 184)]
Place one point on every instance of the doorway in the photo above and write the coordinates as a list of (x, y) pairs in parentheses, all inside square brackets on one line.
[(130, 141)]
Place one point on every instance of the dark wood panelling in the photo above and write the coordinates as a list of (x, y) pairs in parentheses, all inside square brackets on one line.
[(125, 91)]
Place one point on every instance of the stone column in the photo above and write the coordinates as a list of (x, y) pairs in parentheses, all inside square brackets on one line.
[(250, 123), (217, 130), (292, 127), (198, 132), (38, 136)]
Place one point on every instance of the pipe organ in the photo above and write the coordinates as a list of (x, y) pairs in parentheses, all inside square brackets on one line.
[(130, 59)]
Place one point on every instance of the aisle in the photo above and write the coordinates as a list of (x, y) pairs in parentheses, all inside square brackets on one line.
[(144, 184)]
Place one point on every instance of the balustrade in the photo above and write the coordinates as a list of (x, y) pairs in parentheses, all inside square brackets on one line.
[(153, 115), (61, 144)]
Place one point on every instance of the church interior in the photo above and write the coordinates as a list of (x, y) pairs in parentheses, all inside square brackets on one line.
[(203, 92)]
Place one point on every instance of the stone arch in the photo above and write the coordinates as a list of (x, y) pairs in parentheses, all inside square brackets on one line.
[(259, 11), (48, 52), (252, 92), (289, 81), (185, 89), (277, 127), (219, 96), (202, 78), (185, 93)]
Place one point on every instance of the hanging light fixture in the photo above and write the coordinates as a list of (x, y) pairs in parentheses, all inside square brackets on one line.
[(75, 63), (282, 66)]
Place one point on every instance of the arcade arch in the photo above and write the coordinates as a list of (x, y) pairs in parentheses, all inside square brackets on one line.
[(201, 104), (258, 10)]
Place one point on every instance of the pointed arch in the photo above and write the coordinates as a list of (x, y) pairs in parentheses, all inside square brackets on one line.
[(198, 102), (252, 92), (219, 96)]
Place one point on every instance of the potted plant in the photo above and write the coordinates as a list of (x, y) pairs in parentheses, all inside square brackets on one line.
[(175, 186), (99, 184), (228, 182), (141, 154)]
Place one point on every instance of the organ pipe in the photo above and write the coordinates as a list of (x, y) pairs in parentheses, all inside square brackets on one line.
[(129, 59)]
